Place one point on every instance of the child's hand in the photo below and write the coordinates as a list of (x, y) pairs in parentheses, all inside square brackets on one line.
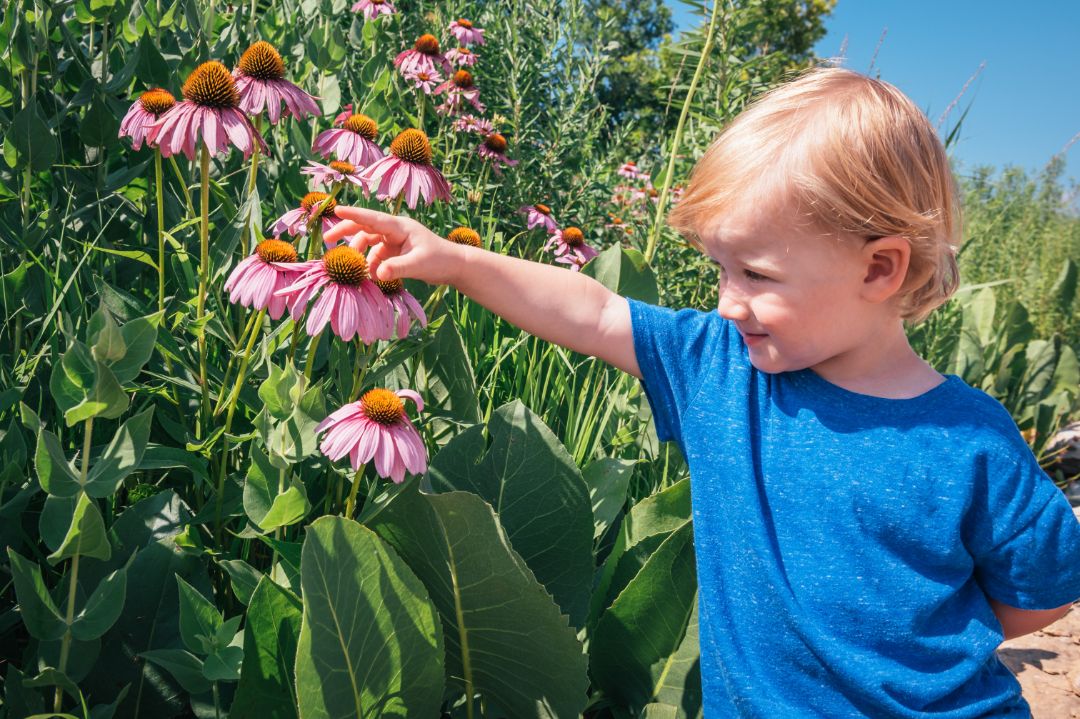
[(401, 247)]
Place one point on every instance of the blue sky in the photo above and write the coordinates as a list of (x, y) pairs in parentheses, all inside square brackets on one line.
[(1026, 100)]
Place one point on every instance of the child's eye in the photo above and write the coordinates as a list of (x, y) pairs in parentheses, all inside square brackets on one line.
[(750, 274)]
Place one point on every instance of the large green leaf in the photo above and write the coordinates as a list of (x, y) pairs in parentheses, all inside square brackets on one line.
[(635, 648), (370, 643), (538, 493), (39, 613), (55, 473), (269, 501), (199, 618), (607, 479), (122, 456), (624, 272), (86, 536), (267, 689), (451, 387), (505, 637), (102, 608), (645, 527)]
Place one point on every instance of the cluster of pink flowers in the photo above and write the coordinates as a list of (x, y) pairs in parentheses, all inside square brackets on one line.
[(568, 243)]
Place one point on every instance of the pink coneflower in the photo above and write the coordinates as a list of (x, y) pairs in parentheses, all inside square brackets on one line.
[(471, 123), (425, 80), (353, 142), (462, 56), (372, 9), (260, 80), (465, 236), (465, 33), (629, 170), (376, 427), (143, 113), (254, 281), (494, 148), (336, 171), (617, 224), (458, 89), (407, 170), (295, 222), (538, 216), (404, 304), (349, 301), (424, 55), (210, 108), (570, 247)]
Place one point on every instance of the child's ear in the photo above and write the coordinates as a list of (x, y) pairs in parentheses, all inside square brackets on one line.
[(886, 260)]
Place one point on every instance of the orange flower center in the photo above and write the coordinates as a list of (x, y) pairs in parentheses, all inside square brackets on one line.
[(423, 76), (615, 220), (346, 168), (276, 251), (464, 236), (463, 78), (312, 199), (653, 192), (389, 287), (345, 266), (362, 125), (157, 101), (211, 85), (542, 209), (573, 237), (412, 146), (427, 44), (496, 143), (382, 406), (262, 62), (464, 23)]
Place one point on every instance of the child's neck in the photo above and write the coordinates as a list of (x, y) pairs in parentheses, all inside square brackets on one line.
[(882, 365)]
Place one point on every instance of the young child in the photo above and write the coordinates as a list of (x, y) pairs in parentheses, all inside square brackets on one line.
[(867, 530)]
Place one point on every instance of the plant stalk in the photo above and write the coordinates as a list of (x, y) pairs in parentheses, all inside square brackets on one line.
[(204, 272)]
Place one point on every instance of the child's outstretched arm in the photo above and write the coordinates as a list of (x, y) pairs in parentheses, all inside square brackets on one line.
[(555, 304)]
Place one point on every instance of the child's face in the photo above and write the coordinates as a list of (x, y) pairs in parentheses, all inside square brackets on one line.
[(793, 294)]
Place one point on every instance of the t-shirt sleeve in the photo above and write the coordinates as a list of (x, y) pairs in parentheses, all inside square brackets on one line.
[(1023, 535), (676, 351)]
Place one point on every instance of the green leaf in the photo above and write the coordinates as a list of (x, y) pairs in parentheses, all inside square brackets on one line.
[(107, 399), (267, 689), (1064, 289), (636, 642), (243, 577), (625, 272), (140, 336), (50, 677), (152, 69), (122, 456), (56, 475), (366, 616), (56, 516), (281, 391), (288, 508), (267, 502), (451, 387), (607, 479), (199, 618), (184, 666), (490, 602), (30, 140), (39, 613), (293, 439), (223, 665), (537, 491), (103, 608), (86, 536), (107, 344)]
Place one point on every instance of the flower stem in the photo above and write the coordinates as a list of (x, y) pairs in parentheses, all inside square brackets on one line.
[(350, 503), (183, 184), (252, 179), (204, 272), (253, 321), (240, 376), (654, 235), (161, 230), (309, 363)]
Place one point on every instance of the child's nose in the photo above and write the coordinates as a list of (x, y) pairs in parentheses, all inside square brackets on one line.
[(732, 309)]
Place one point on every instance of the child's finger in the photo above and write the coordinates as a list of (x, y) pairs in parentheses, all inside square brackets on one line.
[(363, 240), (345, 228), (373, 221)]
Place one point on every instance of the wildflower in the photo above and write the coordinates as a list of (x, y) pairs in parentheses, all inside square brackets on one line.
[(425, 80), (424, 55), (295, 222), (465, 33), (404, 304), (461, 56), (458, 89), (354, 142), (538, 216), (570, 247), (407, 169), (376, 427), (372, 9), (617, 224), (260, 80), (336, 171), (465, 236), (471, 123), (494, 148), (676, 193), (345, 114), (254, 281), (210, 107), (143, 113), (349, 300), (630, 171)]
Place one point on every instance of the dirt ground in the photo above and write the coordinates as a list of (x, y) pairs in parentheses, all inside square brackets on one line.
[(1047, 662)]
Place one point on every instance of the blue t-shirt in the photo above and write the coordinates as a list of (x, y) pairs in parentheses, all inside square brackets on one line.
[(846, 544)]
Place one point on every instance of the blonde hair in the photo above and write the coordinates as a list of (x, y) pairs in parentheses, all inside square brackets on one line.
[(855, 156)]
